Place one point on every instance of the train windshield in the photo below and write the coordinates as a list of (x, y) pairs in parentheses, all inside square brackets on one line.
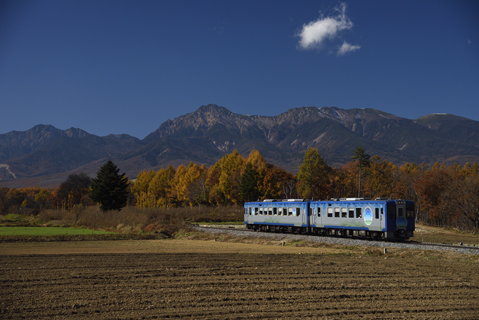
[(410, 211)]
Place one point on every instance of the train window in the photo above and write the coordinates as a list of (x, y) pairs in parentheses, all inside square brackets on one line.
[(400, 212), (351, 212), (382, 210), (260, 211), (275, 211), (255, 211), (298, 212), (377, 213), (359, 213), (330, 212), (319, 212), (285, 211), (270, 210), (290, 211), (410, 212), (344, 213), (336, 212)]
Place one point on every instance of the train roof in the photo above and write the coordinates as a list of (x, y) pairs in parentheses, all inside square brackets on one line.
[(328, 200)]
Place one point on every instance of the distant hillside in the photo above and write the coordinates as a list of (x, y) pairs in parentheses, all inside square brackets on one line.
[(46, 155)]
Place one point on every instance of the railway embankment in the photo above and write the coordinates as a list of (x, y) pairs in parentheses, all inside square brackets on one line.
[(240, 231)]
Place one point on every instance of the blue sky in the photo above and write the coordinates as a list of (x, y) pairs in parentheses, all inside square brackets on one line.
[(111, 67)]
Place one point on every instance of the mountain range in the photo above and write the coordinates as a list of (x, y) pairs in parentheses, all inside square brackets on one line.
[(44, 155)]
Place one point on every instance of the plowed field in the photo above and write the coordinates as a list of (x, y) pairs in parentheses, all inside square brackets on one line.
[(236, 286)]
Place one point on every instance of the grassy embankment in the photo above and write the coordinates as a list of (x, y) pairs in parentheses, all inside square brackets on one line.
[(154, 223), (91, 223), (47, 231)]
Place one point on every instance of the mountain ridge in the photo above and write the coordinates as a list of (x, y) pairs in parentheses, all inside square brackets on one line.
[(208, 133)]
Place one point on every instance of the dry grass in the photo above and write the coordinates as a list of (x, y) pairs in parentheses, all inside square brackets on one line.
[(134, 219)]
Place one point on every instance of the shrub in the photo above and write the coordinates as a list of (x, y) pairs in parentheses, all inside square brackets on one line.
[(53, 214), (165, 220)]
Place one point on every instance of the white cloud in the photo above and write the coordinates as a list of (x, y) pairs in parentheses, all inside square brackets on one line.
[(346, 47), (314, 34)]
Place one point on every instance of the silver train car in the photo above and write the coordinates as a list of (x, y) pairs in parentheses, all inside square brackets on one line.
[(390, 219)]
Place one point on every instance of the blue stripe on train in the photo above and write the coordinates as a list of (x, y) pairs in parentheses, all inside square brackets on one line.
[(278, 224), (346, 227)]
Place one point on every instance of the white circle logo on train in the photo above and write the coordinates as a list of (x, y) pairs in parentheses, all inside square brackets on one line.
[(368, 216)]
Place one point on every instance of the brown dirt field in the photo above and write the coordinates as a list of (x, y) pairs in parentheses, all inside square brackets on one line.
[(443, 235), (208, 280)]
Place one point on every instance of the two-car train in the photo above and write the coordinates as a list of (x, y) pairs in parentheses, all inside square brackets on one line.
[(351, 217)]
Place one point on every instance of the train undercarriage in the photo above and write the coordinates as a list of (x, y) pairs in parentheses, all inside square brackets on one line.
[(332, 232)]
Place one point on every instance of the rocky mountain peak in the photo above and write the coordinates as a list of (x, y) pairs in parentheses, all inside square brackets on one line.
[(206, 134)]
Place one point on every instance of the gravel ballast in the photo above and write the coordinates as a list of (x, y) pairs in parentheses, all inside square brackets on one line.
[(338, 241)]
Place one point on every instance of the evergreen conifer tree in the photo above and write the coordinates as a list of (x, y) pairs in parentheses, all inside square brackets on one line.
[(109, 188)]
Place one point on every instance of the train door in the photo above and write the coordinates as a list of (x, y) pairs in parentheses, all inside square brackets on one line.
[(246, 214), (401, 221), (382, 222), (305, 214), (313, 214)]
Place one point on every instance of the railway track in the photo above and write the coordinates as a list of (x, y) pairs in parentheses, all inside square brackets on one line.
[(345, 240)]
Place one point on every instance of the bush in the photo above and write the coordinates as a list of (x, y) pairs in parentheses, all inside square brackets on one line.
[(53, 214), (160, 220), (12, 217)]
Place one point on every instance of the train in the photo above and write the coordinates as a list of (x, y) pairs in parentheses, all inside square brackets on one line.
[(380, 218)]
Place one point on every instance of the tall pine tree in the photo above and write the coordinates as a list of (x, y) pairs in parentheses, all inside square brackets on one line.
[(109, 188)]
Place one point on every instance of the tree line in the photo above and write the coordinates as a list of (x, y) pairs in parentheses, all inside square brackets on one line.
[(444, 194)]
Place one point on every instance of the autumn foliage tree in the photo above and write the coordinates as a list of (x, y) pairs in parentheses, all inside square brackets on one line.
[(443, 194), (141, 188), (71, 191), (363, 162), (249, 184), (381, 180), (313, 176)]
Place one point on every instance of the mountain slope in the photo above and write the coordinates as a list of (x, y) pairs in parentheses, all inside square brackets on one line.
[(335, 132), (18, 143), (207, 134)]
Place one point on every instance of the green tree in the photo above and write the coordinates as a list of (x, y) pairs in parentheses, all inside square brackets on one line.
[(109, 188), (363, 162)]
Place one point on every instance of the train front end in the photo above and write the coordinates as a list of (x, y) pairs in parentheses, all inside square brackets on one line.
[(400, 219)]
